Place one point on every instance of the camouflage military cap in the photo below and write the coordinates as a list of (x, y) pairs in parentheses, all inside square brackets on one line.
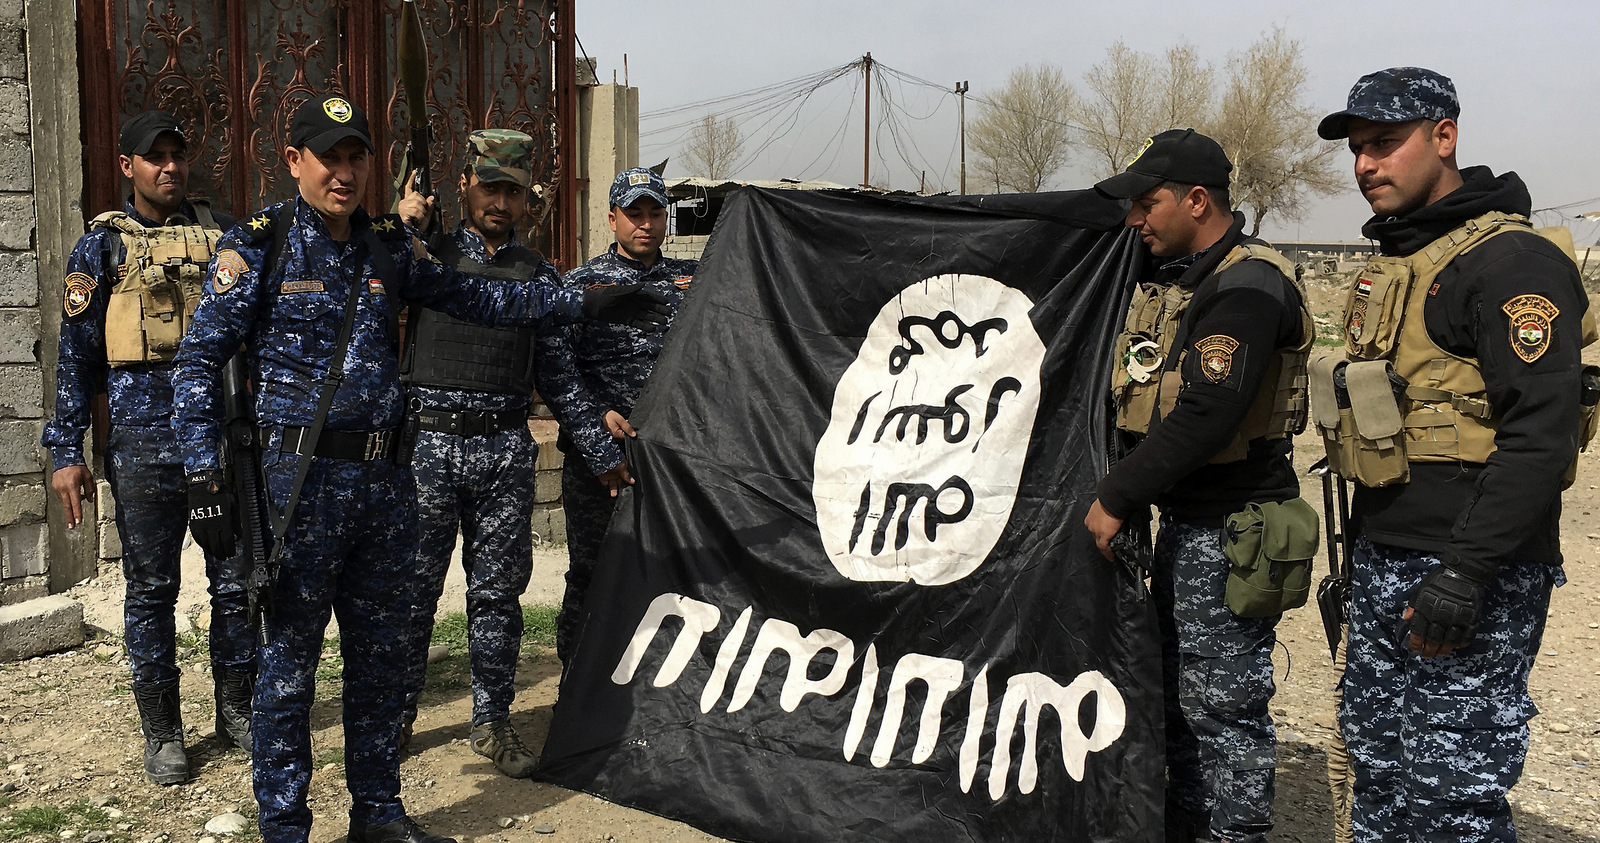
[(501, 155), (1395, 95), (632, 185)]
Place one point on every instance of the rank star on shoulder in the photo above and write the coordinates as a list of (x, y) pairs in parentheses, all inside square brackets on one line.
[(259, 222), (384, 225)]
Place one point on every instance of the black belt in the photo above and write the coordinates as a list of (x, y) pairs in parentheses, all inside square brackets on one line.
[(471, 422), (339, 445)]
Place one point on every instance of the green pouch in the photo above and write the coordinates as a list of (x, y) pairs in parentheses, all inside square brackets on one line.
[(1271, 547)]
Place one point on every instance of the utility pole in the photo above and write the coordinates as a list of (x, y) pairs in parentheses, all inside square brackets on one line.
[(961, 99), (866, 136)]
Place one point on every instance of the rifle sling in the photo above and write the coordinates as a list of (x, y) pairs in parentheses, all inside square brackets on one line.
[(324, 405)]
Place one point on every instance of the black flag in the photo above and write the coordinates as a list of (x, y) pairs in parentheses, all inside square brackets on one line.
[(851, 596)]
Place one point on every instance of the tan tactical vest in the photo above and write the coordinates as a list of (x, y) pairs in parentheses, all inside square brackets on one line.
[(158, 285), (1142, 383), (1405, 399)]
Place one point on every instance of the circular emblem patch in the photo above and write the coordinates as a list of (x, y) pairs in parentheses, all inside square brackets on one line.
[(1216, 356), (230, 265), (1531, 316), (1148, 142), (80, 289), (338, 109)]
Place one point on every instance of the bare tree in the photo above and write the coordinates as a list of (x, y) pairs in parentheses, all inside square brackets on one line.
[(1269, 132), (1130, 96), (713, 148), (1020, 136)]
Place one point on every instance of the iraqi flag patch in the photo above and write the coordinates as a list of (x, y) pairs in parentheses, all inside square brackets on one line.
[(1531, 325), (230, 266), (79, 292), (1216, 356)]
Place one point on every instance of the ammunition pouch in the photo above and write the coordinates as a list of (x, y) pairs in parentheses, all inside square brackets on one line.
[(1271, 547), (1357, 411), (158, 286)]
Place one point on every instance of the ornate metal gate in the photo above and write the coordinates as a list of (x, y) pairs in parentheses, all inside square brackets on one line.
[(235, 70)]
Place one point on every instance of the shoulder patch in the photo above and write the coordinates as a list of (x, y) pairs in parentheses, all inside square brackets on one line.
[(1531, 325), (682, 281), (230, 265), (389, 227), (1216, 356), (79, 291)]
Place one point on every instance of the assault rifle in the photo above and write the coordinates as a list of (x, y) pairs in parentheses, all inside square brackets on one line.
[(242, 461), (413, 59)]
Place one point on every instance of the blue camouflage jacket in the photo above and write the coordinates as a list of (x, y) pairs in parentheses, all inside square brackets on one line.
[(453, 400), (140, 395), (585, 370), (289, 324)]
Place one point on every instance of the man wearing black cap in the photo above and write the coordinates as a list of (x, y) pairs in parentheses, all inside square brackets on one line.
[(131, 286), (1474, 324), (312, 288), (1210, 383)]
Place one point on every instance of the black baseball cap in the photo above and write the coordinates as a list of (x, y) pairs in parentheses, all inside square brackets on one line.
[(140, 132), (324, 121), (1179, 155)]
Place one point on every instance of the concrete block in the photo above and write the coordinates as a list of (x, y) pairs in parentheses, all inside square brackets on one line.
[(13, 107), (13, 48), (16, 158), (19, 335), (550, 457), (24, 550), (12, 10), (24, 588), (16, 221), (19, 447), (36, 627), (22, 499), (19, 279), (547, 487), (110, 540), (21, 392), (550, 525)]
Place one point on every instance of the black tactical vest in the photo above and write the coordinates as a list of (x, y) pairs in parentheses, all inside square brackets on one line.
[(447, 353)]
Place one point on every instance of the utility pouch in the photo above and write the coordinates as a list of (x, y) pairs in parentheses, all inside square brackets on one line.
[(1330, 411), (1376, 429), (406, 448), (1271, 547), (1377, 303)]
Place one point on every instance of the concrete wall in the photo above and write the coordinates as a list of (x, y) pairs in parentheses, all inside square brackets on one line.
[(685, 246), (41, 185), (608, 127)]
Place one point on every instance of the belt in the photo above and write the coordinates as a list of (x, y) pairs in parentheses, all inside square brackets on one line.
[(338, 445), (471, 422)]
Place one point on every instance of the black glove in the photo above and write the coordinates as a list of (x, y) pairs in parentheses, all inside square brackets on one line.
[(213, 517), (1448, 604), (634, 305)]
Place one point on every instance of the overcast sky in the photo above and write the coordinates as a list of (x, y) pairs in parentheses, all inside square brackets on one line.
[(1526, 72)]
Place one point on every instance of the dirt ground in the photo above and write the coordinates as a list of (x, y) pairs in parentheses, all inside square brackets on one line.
[(70, 746)]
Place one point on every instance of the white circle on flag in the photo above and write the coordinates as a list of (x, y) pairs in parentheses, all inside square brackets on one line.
[(917, 473)]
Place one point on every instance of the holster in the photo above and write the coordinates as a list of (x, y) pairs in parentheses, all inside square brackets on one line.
[(406, 449)]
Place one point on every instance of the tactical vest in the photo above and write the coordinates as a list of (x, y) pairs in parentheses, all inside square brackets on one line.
[(1395, 397), (1147, 380), (158, 285), (447, 353)]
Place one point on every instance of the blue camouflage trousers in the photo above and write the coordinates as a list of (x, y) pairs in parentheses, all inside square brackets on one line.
[(348, 554), (1436, 743), (588, 506), (1226, 755), (483, 486), (152, 516)]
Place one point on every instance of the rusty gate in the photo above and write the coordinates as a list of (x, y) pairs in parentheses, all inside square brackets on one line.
[(234, 71)]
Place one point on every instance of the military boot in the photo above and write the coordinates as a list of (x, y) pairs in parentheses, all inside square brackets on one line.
[(498, 742), (233, 690), (162, 724), (403, 830)]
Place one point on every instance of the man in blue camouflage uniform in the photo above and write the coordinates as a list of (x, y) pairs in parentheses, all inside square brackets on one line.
[(591, 375), (351, 546), (470, 391), (1459, 548), (1210, 384), (104, 347)]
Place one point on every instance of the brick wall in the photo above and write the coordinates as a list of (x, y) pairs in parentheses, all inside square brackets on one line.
[(24, 537), (685, 247)]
